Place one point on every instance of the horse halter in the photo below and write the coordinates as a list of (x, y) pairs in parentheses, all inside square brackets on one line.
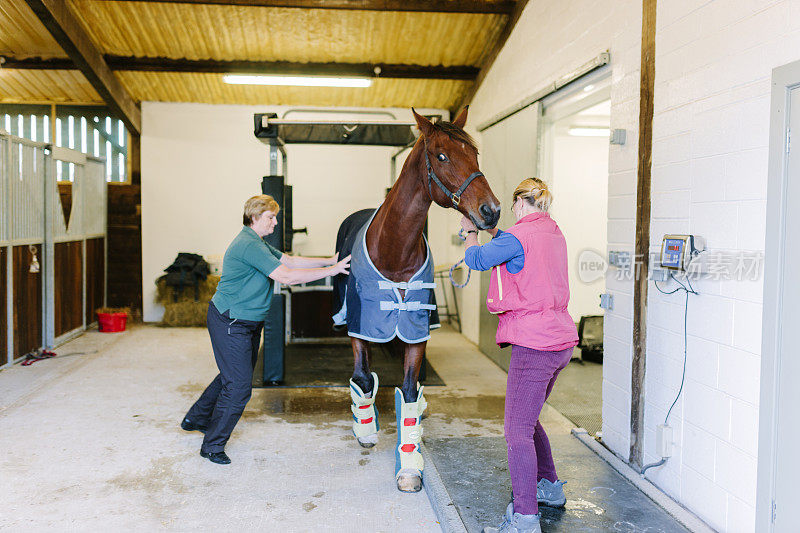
[(454, 197)]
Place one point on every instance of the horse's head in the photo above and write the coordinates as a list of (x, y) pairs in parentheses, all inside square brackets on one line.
[(452, 174)]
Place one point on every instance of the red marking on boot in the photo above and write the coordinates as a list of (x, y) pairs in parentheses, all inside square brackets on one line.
[(409, 421), (366, 420), (364, 406), (408, 448)]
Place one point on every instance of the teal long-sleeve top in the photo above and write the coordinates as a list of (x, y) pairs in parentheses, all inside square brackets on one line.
[(245, 288)]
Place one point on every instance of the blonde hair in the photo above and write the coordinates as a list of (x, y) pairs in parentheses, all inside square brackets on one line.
[(535, 193), (255, 206)]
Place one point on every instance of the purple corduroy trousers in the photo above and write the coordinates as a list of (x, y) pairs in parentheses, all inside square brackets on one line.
[(531, 376)]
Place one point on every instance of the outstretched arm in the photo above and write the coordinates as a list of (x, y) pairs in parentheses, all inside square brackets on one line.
[(293, 276), (297, 261)]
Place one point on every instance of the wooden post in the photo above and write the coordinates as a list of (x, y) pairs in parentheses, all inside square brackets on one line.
[(642, 247), (134, 159)]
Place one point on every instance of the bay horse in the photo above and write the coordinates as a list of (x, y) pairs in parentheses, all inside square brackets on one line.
[(442, 167)]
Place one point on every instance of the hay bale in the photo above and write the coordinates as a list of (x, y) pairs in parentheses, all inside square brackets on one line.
[(184, 314), (169, 295)]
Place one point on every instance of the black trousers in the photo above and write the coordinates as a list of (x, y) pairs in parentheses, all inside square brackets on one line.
[(235, 343)]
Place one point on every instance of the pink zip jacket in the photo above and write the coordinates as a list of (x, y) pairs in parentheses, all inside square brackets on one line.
[(532, 304)]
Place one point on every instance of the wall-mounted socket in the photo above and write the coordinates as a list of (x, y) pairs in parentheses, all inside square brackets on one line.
[(619, 259), (618, 136), (664, 440), (659, 274)]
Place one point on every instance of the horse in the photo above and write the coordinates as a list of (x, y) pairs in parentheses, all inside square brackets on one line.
[(391, 261)]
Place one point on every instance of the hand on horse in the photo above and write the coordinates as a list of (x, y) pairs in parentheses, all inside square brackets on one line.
[(342, 267), (468, 225)]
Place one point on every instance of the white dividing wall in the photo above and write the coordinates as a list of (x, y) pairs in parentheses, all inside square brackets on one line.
[(550, 40), (201, 162), (710, 137)]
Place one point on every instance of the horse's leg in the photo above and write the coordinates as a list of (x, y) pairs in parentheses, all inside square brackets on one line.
[(363, 389), (409, 405)]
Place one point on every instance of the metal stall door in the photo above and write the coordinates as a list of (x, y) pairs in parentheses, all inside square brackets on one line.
[(6, 332), (25, 174), (787, 461), (66, 249), (95, 206), (510, 154)]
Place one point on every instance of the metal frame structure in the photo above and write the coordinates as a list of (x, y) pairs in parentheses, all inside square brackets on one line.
[(32, 215), (269, 130)]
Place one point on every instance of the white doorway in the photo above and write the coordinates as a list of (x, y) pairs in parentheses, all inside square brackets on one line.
[(779, 433), (574, 163)]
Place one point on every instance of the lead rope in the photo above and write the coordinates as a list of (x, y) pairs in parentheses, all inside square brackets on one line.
[(452, 268)]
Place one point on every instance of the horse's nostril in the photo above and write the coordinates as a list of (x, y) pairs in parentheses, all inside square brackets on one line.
[(490, 214)]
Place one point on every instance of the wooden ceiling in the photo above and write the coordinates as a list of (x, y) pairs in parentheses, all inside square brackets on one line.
[(121, 52)]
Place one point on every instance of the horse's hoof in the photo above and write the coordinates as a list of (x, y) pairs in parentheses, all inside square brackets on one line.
[(409, 480), (369, 441)]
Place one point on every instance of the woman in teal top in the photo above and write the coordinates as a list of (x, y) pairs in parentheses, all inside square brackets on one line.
[(236, 316)]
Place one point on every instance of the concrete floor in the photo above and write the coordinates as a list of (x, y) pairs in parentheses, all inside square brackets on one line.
[(92, 442)]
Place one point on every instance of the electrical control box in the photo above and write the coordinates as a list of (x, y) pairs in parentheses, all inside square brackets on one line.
[(677, 251), (664, 440)]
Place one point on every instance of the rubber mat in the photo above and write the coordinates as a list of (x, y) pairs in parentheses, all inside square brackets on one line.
[(578, 395), (331, 365), (474, 471)]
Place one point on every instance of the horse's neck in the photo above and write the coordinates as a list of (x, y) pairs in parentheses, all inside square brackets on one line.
[(394, 239)]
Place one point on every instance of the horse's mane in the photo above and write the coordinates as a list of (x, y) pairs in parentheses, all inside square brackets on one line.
[(455, 133)]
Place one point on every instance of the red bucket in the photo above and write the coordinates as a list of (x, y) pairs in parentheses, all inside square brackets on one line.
[(112, 322)]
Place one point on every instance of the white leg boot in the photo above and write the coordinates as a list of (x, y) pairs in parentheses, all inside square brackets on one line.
[(408, 459), (365, 416)]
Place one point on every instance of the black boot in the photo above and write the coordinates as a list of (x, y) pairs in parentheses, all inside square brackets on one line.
[(221, 458), (188, 425)]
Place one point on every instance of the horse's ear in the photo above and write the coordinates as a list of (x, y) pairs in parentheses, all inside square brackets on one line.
[(425, 126), (462, 118)]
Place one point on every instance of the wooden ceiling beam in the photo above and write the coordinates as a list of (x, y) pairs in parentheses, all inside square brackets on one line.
[(486, 66), (160, 64), (70, 35), (486, 7)]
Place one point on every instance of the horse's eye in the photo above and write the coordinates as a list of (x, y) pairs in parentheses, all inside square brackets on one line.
[(442, 157)]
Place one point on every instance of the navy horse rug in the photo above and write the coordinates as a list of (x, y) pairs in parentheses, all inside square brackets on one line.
[(369, 304)]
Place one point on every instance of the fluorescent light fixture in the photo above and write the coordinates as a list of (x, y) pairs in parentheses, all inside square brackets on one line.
[(589, 132), (588, 88), (302, 81)]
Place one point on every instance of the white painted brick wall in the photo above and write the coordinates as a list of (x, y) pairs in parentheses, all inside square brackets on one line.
[(713, 66)]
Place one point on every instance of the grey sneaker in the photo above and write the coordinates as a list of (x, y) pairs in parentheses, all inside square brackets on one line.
[(551, 494), (516, 523)]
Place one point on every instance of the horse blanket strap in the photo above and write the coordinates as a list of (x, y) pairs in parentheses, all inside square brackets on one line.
[(406, 306), (409, 431), (454, 197), (375, 310), (365, 415), (406, 285)]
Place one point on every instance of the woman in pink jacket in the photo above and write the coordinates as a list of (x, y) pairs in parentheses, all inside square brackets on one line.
[(529, 291)]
